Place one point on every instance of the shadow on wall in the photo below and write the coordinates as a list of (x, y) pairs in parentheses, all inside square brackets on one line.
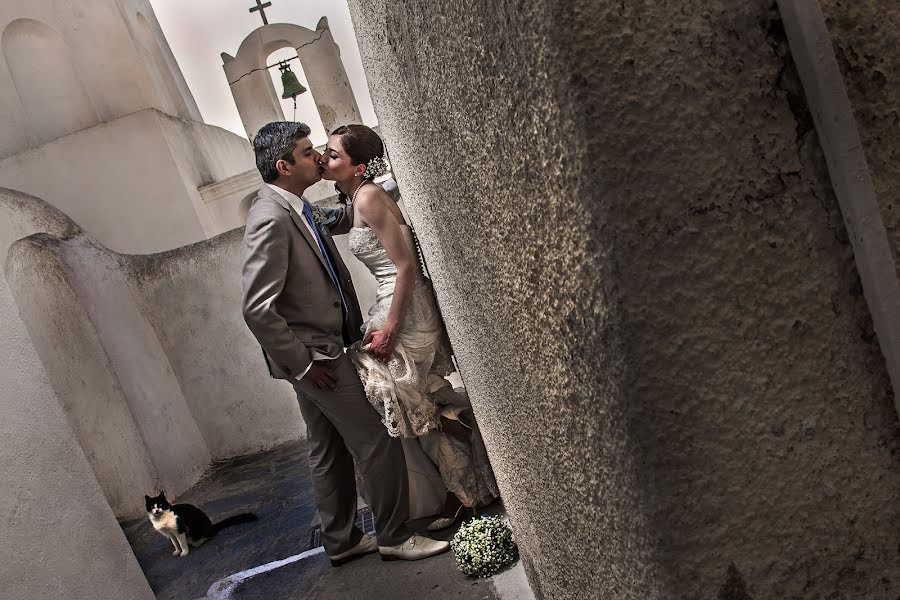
[(148, 354)]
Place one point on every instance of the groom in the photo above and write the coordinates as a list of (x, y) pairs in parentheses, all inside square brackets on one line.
[(299, 302)]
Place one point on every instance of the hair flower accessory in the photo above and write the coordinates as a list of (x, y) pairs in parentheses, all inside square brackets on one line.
[(376, 167)]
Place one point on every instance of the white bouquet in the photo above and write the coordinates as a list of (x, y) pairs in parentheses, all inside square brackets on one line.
[(483, 546)]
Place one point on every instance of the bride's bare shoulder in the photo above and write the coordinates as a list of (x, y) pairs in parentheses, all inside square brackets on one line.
[(372, 190), (372, 199)]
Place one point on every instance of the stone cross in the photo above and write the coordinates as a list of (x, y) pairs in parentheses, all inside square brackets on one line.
[(261, 7)]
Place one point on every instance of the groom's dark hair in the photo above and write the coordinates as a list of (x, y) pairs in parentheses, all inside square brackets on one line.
[(274, 142)]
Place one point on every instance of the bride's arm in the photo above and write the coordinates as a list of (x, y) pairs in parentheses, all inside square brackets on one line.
[(374, 211)]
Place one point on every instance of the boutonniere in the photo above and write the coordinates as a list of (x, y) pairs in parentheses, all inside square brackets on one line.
[(323, 218)]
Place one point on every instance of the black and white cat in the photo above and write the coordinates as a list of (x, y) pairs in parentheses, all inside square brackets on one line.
[(186, 524)]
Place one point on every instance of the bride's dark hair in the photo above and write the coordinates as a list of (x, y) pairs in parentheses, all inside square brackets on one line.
[(361, 144)]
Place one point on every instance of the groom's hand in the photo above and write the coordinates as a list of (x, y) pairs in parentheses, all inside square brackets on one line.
[(322, 377)]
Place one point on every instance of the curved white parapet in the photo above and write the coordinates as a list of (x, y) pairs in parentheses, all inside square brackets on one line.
[(47, 488), (149, 355)]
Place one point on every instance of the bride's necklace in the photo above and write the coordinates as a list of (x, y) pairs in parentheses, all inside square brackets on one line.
[(356, 191)]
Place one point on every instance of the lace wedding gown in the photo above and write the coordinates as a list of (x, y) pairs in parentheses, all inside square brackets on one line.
[(410, 393)]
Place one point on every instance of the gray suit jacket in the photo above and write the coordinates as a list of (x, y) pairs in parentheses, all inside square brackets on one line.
[(289, 301)]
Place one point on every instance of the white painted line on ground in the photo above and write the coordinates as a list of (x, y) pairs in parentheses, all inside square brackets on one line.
[(223, 588)]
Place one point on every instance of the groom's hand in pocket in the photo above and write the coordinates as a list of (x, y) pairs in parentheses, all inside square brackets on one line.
[(322, 377)]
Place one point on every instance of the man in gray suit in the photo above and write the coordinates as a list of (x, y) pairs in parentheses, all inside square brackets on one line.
[(299, 302)]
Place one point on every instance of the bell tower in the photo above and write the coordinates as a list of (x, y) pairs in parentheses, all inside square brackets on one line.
[(255, 96)]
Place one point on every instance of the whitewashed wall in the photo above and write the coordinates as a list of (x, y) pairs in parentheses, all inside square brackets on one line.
[(51, 506)]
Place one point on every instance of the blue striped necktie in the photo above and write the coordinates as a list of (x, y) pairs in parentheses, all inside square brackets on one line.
[(332, 272)]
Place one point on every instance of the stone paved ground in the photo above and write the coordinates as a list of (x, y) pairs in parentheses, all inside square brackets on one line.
[(275, 485), (366, 579)]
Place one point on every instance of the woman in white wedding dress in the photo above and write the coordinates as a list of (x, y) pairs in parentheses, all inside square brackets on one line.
[(405, 355)]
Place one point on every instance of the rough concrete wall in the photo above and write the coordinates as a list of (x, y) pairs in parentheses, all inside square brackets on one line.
[(192, 298), (51, 507), (647, 282), (488, 156), (81, 374), (760, 398), (866, 39)]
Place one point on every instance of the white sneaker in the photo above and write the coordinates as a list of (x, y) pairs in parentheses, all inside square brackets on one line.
[(366, 545), (414, 548)]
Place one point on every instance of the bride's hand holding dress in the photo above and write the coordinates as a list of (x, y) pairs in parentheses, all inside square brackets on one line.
[(381, 342), (371, 209)]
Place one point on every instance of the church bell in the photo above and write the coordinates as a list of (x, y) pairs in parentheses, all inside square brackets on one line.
[(292, 86)]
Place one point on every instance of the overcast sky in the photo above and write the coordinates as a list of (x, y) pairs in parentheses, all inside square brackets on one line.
[(198, 31)]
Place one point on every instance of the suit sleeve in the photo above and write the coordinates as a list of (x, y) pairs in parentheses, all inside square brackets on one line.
[(266, 254), (339, 220)]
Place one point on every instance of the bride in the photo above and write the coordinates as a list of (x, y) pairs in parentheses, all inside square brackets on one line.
[(405, 353)]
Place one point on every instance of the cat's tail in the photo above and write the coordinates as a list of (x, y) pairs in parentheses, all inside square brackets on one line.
[(235, 520)]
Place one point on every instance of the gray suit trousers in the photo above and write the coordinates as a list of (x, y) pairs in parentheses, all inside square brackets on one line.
[(341, 427)]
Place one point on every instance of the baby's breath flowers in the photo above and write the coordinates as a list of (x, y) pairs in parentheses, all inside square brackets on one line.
[(483, 546), (375, 167), (322, 217)]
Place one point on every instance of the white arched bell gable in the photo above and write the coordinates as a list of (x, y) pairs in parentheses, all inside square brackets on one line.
[(47, 80), (256, 98)]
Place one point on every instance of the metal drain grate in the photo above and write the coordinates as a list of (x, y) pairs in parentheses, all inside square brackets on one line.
[(365, 520)]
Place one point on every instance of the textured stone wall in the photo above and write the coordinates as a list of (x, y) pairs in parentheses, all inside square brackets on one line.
[(646, 279), (866, 39)]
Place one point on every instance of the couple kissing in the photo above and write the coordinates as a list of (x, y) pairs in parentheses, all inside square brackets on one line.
[(371, 393)]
